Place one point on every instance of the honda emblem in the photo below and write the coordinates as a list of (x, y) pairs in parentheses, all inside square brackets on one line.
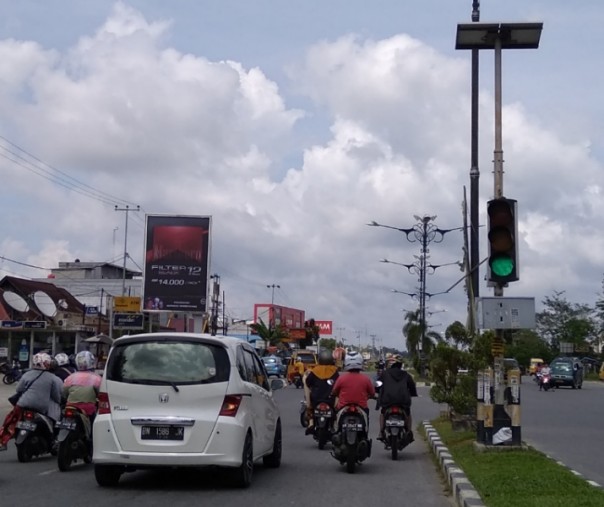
[(164, 398)]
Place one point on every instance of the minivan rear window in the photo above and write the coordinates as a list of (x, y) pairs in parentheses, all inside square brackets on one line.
[(168, 362)]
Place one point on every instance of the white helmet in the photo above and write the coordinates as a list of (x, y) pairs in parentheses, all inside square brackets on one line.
[(353, 361), (62, 359), (84, 360), (42, 360)]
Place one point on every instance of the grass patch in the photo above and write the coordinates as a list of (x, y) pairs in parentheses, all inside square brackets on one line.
[(514, 478)]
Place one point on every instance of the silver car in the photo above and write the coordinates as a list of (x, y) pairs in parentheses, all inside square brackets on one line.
[(185, 400)]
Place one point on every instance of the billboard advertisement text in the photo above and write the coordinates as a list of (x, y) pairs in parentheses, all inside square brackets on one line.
[(176, 263)]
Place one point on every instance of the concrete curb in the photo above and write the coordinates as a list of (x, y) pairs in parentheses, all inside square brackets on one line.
[(464, 493)]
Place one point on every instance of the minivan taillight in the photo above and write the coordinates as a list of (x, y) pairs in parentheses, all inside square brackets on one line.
[(230, 405), (104, 406)]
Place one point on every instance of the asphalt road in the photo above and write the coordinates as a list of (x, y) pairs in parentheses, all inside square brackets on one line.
[(567, 425), (307, 475)]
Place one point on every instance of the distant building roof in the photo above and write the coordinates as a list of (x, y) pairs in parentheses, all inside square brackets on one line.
[(36, 310)]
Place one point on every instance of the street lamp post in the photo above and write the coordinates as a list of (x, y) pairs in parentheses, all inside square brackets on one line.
[(272, 314), (425, 232), (498, 36)]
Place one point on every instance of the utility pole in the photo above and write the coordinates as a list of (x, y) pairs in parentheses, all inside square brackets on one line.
[(127, 210), (424, 232)]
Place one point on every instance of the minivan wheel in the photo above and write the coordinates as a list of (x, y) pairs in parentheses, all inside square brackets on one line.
[(273, 460), (107, 475), (242, 476)]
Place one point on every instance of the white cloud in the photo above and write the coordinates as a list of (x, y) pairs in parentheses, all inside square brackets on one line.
[(175, 131)]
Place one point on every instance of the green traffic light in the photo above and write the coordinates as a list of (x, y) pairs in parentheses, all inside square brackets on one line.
[(502, 265)]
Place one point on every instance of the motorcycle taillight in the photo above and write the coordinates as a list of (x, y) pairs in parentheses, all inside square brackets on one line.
[(29, 415), (395, 410), (352, 408), (323, 406), (70, 412)]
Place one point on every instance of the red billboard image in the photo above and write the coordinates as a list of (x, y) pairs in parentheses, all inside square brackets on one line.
[(176, 263)]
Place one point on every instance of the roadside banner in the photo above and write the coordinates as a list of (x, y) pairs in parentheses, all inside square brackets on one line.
[(176, 267)]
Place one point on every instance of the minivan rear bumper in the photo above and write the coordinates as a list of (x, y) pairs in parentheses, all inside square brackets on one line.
[(224, 448)]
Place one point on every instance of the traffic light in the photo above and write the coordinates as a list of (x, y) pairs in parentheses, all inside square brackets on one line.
[(503, 243)]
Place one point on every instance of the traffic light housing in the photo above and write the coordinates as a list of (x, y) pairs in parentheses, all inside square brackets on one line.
[(503, 241)]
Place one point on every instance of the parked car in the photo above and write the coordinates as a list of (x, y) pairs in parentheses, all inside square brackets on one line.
[(567, 372), (274, 366), (185, 400)]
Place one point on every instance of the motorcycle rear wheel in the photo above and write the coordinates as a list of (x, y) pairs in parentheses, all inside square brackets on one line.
[(64, 458), (351, 461), (322, 437), (394, 447), (8, 379), (24, 453)]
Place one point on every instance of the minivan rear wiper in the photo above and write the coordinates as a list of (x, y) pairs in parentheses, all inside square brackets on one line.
[(154, 382)]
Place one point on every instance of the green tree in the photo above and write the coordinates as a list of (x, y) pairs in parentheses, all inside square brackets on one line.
[(562, 321), (449, 387), (312, 334), (413, 330), (526, 344), (272, 336), (328, 343)]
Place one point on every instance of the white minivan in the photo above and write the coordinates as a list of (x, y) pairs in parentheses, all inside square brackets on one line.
[(185, 400)]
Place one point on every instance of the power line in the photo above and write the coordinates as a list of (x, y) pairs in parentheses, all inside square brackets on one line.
[(59, 177)]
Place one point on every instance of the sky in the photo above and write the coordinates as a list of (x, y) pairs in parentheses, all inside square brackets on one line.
[(294, 125)]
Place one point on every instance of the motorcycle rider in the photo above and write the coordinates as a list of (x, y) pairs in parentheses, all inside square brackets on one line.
[(354, 387), (398, 387), (62, 369), (41, 392), (82, 387), (544, 371), (318, 384)]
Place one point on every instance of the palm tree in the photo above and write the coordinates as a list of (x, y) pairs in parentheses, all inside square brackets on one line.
[(413, 329), (272, 336)]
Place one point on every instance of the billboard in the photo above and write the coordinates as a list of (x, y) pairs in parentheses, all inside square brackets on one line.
[(325, 327), (176, 263)]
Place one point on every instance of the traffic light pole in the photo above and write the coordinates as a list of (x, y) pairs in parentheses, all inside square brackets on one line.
[(500, 418)]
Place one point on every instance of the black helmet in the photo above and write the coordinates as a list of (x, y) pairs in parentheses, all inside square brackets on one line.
[(326, 357)]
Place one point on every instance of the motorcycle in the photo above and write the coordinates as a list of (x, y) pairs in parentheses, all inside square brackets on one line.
[(35, 436), (545, 382), (351, 444), (323, 419), (11, 373), (74, 438), (396, 434), (298, 381)]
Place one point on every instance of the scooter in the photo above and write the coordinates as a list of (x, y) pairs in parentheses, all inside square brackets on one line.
[(545, 382), (35, 436), (323, 419), (396, 434), (74, 439), (11, 373), (350, 443)]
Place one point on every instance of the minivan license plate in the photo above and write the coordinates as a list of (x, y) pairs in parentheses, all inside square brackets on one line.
[(162, 433)]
